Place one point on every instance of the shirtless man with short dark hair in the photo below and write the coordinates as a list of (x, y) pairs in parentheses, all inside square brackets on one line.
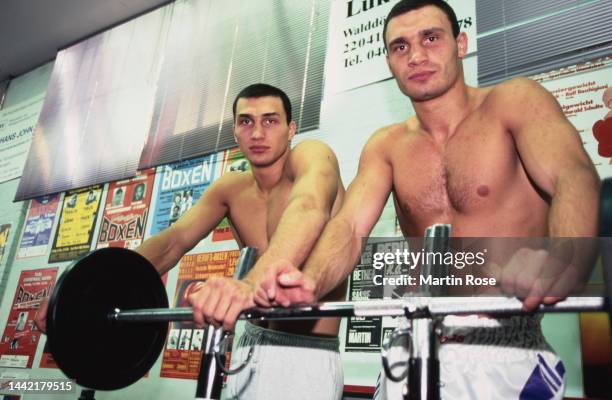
[(279, 206), (494, 161)]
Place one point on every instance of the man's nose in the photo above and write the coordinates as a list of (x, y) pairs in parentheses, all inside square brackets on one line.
[(417, 56), (257, 132)]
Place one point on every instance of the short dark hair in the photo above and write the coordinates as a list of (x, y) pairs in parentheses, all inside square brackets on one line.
[(263, 90), (405, 6)]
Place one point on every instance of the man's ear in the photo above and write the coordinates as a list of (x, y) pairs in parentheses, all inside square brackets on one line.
[(292, 129), (462, 44)]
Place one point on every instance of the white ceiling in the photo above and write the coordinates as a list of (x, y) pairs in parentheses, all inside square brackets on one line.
[(32, 31)]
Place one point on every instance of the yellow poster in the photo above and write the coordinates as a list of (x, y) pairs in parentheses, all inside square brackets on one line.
[(76, 225), (4, 233)]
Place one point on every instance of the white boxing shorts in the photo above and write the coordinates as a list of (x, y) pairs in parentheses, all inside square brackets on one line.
[(484, 358)]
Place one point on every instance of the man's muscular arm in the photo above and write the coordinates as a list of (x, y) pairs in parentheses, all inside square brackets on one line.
[(217, 298), (554, 157), (309, 207), (166, 248), (552, 153), (340, 245)]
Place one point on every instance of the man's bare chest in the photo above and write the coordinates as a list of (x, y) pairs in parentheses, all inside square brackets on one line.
[(465, 173), (255, 218)]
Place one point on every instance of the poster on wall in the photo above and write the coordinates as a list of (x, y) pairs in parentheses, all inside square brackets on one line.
[(20, 337), (180, 185), (356, 54), (366, 283), (4, 235), (364, 333), (183, 351), (38, 225), (17, 125), (126, 211), (76, 224), (583, 91), (46, 360), (233, 161)]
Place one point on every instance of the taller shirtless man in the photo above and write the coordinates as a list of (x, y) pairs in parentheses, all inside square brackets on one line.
[(493, 161), (279, 206)]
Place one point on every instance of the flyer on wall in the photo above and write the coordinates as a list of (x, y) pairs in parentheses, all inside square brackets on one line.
[(183, 351), (20, 337), (38, 226), (76, 225), (125, 212)]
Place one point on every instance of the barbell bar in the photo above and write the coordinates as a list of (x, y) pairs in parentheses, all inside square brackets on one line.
[(108, 316), (415, 307)]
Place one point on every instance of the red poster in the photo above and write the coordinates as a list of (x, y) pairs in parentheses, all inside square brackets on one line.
[(46, 360), (126, 211), (184, 343), (20, 338)]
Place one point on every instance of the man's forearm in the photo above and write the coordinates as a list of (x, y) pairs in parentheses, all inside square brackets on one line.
[(575, 204), (161, 251), (334, 256), (574, 214)]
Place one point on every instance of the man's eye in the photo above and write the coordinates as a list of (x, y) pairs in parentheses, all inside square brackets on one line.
[(244, 122), (269, 121), (399, 47), (431, 39)]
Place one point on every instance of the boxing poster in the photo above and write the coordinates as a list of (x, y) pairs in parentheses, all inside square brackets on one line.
[(38, 225), (233, 160), (584, 92), (20, 337), (46, 360), (76, 224), (4, 234), (364, 333), (17, 125), (183, 351), (180, 185), (356, 54), (126, 211)]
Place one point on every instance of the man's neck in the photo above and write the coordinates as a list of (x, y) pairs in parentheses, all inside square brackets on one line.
[(269, 176), (441, 116)]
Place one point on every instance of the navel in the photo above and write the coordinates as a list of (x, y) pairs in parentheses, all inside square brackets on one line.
[(483, 190)]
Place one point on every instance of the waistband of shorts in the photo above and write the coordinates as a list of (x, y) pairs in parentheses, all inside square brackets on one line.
[(523, 331), (279, 338)]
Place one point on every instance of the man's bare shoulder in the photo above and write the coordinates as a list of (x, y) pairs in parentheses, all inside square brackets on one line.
[(386, 138), (514, 91), (311, 147), (309, 153), (232, 182)]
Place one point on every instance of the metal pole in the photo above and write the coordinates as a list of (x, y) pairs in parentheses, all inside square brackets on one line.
[(423, 364), (411, 307)]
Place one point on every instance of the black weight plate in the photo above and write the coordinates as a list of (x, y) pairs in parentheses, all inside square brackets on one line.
[(605, 208), (605, 229), (87, 346)]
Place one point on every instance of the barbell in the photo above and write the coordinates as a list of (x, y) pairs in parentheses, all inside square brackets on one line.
[(107, 316)]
